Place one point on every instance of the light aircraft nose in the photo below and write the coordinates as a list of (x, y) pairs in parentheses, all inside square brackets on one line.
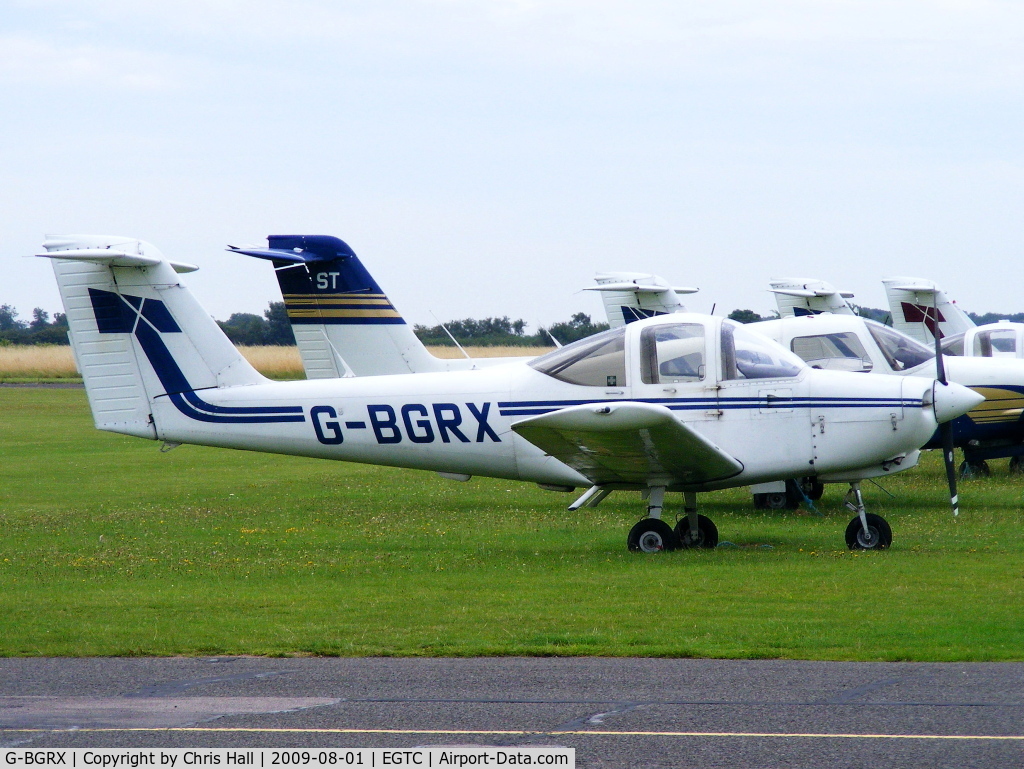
[(951, 400)]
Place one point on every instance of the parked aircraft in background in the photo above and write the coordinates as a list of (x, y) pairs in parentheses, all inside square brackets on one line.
[(919, 307), (801, 296), (630, 296), (842, 340), (343, 322), (687, 403)]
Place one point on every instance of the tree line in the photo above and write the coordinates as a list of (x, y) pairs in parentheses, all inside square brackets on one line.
[(273, 327), (871, 313), (504, 332)]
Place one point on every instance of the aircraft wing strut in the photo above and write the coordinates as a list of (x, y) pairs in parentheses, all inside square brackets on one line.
[(628, 442)]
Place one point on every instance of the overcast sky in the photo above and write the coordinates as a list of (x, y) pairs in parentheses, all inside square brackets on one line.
[(487, 157)]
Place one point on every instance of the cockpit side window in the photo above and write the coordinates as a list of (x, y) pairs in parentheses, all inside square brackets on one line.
[(841, 351), (747, 355), (998, 343), (597, 361), (901, 351), (672, 353)]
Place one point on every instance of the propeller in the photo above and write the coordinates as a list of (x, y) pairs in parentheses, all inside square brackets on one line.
[(945, 428)]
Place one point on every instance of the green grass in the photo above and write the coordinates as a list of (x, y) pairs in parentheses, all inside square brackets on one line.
[(109, 547)]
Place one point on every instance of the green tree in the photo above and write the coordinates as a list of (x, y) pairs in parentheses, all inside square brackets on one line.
[(579, 326), (745, 316), (279, 327)]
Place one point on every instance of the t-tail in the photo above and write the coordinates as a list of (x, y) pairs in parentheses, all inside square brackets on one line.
[(803, 296), (141, 339), (923, 310), (632, 296), (344, 324)]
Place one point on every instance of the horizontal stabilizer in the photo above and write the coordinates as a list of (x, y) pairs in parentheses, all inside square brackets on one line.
[(644, 289), (805, 296), (631, 296), (115, 258), (299, 249), (636, 443)]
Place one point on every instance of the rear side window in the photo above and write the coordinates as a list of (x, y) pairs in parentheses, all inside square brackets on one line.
[(1001, 343), (597, 361), (672, 353)]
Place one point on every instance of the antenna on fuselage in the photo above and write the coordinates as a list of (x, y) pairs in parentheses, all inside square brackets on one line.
[(449, 333)]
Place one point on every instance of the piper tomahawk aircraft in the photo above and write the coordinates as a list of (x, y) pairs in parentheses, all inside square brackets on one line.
[(818, 324), (923, 310), (691, 403), (343, 322)]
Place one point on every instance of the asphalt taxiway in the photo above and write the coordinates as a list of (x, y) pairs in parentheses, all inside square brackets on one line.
[(614, 712)]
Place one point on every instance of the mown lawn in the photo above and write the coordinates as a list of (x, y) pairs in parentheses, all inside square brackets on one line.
[(110, 547)]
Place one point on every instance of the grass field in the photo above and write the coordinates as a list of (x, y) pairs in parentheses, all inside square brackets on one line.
[(110, 547), (34, 363)]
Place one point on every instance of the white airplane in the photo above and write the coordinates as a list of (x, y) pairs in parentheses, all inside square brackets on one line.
[(801, 296), (919, 307), (344, 324), (840, 340), (689, 403), (630, 296), (992, 431)]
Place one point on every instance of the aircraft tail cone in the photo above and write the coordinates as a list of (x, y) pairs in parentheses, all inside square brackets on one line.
[(952, 400)]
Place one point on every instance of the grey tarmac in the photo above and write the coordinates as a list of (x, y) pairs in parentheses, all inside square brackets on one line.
[(616, 712)]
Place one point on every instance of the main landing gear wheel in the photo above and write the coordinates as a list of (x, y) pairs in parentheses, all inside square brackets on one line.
[(877, 537), (651, 535), (1016, 465), (813, 488), (776, 500), (976, 469), (707, 533)]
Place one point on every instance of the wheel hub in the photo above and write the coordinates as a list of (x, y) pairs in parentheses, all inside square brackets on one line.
[(651, 542), (868, 539)]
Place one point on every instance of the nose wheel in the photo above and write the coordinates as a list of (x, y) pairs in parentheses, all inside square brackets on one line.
[(867, 531)]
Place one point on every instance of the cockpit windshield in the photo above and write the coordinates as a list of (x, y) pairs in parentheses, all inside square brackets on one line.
[(901, 351), (597, 361), (747, 355), (953, 345)]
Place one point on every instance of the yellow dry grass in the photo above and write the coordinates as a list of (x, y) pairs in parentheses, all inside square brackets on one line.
[(57, 362), (43, 361), (489, 352)]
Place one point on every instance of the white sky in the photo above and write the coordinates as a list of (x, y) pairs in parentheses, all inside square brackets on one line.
[(486, 157)]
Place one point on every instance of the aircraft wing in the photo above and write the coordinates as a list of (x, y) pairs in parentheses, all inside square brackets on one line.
[(628, 443)]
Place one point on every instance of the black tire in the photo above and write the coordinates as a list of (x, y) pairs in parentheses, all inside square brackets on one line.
[(707, 533), (974, 469), (760, 502), (651, 535), (813, 488), (879, 535), (1016, 465)]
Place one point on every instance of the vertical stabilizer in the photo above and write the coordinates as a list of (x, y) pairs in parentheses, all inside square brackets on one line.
[(803, 296), (914, 303), (342, 320), (137, 332), (631, 296)]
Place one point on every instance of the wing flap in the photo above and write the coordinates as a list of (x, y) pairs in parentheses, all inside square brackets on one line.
[(628, 443)]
